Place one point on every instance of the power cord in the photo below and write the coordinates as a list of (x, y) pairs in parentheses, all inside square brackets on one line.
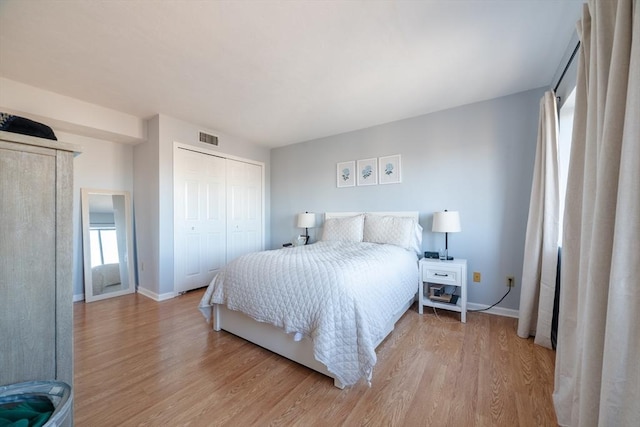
[(482, 309), (493, 305)]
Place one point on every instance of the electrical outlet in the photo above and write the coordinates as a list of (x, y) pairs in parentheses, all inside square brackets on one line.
[(511, 282), (476, 276)]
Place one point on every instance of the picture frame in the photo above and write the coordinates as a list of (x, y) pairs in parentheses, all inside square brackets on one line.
[(390, 169), (346, 174), (368, 171)]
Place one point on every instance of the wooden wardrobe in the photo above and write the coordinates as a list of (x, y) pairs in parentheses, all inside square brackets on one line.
[(36, 251)]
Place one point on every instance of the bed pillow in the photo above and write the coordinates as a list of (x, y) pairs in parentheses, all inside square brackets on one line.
[(391, 230), (416, 244), (349, 229)]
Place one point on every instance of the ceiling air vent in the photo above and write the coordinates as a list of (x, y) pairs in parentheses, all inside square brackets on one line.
[(208, 139)]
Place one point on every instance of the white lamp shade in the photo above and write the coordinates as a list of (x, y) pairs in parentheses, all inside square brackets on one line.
[(446, 222), (306, 220)]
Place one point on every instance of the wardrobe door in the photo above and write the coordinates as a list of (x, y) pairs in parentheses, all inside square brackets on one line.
[(27, 263), (244, 208), (199, 218)]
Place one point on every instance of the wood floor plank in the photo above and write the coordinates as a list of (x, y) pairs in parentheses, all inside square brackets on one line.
[(144, 363)]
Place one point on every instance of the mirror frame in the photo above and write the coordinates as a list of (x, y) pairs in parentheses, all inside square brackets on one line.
[(86, 244)]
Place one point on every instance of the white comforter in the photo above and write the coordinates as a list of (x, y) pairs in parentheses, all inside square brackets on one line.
[(342, 295)]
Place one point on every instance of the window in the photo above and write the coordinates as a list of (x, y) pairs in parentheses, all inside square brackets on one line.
[(104, 246), (564, 151)]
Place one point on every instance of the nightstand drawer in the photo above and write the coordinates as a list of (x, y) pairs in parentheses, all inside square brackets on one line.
[(442, 274)]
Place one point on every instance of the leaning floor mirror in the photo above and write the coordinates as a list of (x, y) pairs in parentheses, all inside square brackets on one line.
[(107, 244)]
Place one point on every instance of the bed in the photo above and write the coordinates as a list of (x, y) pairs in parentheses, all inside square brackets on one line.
[(105, 278), (326, 305)]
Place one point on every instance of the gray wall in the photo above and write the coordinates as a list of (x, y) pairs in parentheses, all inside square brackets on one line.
[(477, 159)]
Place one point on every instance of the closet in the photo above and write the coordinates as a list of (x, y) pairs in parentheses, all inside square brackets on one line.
[(218, 214), (36, 252)]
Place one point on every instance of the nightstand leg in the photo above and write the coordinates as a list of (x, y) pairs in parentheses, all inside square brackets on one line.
[(463, 303), (420, 296)]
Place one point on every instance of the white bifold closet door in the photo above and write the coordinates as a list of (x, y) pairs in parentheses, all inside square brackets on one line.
[(217, 215), (244, 209)]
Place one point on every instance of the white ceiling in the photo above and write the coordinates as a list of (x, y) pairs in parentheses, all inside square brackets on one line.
[(281, 72)]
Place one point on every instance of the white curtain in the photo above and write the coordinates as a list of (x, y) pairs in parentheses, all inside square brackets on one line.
[(541, 242), (597, 378)]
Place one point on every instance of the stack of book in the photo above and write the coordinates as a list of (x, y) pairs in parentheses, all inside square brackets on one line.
[(438, 293)]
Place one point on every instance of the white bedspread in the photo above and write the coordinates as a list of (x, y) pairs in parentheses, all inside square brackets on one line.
[(342, 295)]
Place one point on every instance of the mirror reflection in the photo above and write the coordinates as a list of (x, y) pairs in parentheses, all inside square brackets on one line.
[(107, 241)]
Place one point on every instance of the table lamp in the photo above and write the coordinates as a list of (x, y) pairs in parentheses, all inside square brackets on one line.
[(446, 222), (306, 220)]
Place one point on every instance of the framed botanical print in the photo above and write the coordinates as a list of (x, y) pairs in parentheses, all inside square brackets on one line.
[(390, 169), (346, 174), (368, 171)]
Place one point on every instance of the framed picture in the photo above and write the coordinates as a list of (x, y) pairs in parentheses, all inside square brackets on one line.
[(368, 171), (390, 170), (346, 174)]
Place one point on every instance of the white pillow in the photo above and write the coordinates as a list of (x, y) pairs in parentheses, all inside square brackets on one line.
[(391, 230), (416, 244), (349, 229)]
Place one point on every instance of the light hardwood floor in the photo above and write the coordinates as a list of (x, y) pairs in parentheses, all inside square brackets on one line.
[(147, 363)]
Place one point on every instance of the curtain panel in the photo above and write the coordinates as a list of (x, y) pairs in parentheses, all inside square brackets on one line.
[(541, 243), (597, 377)]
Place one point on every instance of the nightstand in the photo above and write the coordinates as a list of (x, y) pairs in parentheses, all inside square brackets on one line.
[(453, 275)]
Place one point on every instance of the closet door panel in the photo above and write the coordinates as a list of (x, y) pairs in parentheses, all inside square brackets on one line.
[(214, 233), (216, 200), (254, 208), (215, 253), (199, 209), (245, 208), (192, 254), (191, 200), (252, 221)]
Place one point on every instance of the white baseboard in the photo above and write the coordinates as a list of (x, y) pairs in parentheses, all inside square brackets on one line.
[(498, 311), (78, 297), (154, 296)]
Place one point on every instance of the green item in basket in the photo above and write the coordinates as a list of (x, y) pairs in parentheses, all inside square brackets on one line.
[(32, 411)]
